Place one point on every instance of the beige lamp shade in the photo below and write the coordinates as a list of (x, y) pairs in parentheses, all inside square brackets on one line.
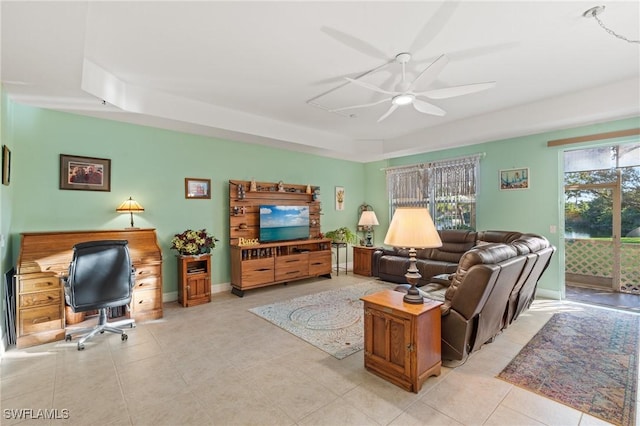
[(368, 218), (130, 206), (412, 227)]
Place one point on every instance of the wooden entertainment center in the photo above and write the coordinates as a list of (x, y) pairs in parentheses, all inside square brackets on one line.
[(255, 264)]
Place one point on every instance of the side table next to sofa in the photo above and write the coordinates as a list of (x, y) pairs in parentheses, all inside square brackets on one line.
[(402, 340)]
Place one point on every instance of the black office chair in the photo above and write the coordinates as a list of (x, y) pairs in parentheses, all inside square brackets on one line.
[(100, 277)]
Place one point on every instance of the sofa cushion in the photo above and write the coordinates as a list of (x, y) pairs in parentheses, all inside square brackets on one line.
[(455, 243), (505, 237), (491, 253)]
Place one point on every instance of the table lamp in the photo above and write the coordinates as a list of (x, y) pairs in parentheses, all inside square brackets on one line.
[(368, 219), (412, 228), (130, 206)]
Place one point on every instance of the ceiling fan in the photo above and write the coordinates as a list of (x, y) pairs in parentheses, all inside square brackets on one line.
[(405, 94)]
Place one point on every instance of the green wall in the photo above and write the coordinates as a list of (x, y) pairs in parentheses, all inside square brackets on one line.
[(533, 210), (150, 165)]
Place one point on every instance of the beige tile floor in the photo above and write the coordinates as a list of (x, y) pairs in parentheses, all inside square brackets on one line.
[(218, 364)]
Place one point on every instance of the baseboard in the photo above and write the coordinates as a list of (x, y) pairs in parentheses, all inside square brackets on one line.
[(548, 294), (215, 288)]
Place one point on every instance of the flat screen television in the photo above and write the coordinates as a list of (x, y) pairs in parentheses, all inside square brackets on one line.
[(283, 223)]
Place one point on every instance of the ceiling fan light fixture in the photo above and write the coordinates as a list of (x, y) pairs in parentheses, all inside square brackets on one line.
[(404, 99)]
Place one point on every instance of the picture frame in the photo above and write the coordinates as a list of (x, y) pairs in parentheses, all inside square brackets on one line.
[(339, 197), (6, 165), (195, 189), (514, 179), (85, 173)]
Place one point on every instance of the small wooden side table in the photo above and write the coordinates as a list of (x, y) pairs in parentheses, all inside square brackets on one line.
[(194, 285), (401, 340), (363, 260)]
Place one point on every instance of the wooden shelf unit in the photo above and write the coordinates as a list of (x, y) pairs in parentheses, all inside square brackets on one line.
[(256, 265)]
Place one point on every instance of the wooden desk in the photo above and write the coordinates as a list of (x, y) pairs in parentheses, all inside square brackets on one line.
[(44, 258), (401, 340)]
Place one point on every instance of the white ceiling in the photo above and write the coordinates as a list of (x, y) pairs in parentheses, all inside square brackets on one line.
[(267, 72)]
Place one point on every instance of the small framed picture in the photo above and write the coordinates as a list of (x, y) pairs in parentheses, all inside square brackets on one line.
[(514, 179), (197, 188), (6, 165), (85, 173), (339, 198)]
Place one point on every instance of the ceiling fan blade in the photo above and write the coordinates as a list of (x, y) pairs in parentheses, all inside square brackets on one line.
[(452, 92), (370, 86), (355, 43), (427, 108), (388, 113), (433, 26), (360, 106), (430, 73)]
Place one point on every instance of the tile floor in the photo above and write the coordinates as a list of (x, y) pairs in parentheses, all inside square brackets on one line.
[(218, 364)]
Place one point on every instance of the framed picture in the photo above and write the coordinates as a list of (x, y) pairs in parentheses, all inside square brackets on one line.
[(514, 179), (197, 188), (85, 173), (339, 198), (6, 165)]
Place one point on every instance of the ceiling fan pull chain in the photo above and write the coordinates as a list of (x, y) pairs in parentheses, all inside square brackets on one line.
[(594, 12)]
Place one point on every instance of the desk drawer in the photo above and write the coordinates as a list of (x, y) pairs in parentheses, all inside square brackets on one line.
[(146, 300), (146, 270), (45, 318), (147, 282), (38, 284), (41, 298)]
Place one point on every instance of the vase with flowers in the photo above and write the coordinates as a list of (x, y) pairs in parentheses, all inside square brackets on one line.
[(193, 242)]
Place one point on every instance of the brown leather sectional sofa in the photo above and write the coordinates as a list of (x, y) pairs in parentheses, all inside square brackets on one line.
[(491, 284)]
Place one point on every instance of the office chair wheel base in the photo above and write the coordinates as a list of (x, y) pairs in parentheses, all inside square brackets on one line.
[(80, 346), (124, 337), (67, 338)]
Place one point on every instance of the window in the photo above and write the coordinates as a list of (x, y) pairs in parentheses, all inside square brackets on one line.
[(447, 188)]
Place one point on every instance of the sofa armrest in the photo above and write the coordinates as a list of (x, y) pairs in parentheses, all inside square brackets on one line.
[(375, 259)]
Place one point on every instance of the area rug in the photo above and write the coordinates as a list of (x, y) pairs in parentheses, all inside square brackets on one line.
[(330, 320), (587, 360)]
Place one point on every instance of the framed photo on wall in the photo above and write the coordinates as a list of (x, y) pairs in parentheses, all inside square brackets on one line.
[(197, 188), (339, 197), (85, 173), (514, 179), (6, 165)]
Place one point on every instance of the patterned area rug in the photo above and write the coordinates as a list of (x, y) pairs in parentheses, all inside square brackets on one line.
[(587, 360), (331, 320)]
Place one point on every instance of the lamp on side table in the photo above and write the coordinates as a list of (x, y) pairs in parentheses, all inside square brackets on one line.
[(368, 219), (412, 228)]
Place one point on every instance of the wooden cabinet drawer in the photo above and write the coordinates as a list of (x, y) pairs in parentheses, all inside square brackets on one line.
[(146, 300), (146, 270), (44, 318), (40, 298), (147, 282), (26, 285), (293, 266), (320, 262), (257, 271)]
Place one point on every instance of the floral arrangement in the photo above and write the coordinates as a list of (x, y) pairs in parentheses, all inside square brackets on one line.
[(192, 242)]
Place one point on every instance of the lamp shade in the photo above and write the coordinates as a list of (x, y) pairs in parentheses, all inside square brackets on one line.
[(130, 206), (412, 227), (368, 218)]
